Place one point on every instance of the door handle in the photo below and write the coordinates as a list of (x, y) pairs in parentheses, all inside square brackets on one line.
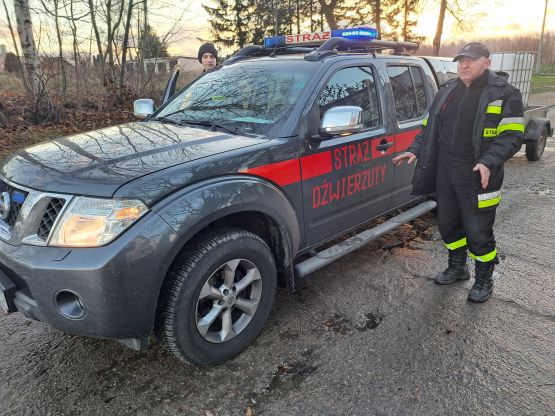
[(384, 145)]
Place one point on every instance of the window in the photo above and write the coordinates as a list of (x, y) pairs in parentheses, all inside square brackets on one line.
[(409, 92), (352, 86), (445, 70), (419, 89), (250, 97)]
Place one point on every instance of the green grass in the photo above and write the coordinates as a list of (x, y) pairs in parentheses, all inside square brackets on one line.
[(545, 80)]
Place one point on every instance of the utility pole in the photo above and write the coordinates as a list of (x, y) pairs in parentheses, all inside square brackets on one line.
[(540, 48)]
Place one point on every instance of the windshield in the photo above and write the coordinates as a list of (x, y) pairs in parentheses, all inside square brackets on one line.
[(247, 98)]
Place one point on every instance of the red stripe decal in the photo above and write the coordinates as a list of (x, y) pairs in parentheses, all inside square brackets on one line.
[(316, 165), (282, 173), (288, 172), (377, 153), (405, 139)]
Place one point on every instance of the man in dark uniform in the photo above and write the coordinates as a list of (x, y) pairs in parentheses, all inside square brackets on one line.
[(475, 125)]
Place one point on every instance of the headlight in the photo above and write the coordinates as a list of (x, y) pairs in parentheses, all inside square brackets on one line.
[(91, 222)]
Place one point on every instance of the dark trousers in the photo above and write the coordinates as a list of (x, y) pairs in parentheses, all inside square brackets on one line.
[(461, 223)]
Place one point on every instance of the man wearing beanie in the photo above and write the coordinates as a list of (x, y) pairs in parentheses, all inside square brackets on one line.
[(207, 56)]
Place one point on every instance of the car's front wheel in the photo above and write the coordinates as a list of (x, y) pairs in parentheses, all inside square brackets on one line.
[(217, 297)]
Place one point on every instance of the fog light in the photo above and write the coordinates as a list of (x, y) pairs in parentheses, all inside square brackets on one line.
[(69, 304)]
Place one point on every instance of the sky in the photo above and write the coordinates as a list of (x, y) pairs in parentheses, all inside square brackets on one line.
[(489, 18)]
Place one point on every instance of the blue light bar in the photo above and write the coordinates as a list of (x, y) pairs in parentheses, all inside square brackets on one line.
[(356, 33), (274, 41)]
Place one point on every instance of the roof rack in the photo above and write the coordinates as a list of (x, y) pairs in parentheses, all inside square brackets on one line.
[(257, 50), (317, 52), (334, 45)]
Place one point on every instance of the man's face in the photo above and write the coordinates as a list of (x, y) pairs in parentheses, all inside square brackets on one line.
[(470, 69), (208, 61)]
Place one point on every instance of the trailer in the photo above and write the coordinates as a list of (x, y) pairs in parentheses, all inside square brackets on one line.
[(520, 67)]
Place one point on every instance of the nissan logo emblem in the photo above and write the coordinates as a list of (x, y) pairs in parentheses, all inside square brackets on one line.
[(5, 202)]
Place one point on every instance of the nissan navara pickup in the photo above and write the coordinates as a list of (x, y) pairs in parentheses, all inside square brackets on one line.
[(183, 224)]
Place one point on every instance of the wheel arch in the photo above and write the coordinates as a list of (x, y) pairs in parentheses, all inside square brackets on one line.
[(534, 128), (242, 202)]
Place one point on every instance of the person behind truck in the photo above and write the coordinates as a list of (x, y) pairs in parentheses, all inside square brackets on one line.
[(208, 56), (474, 126)]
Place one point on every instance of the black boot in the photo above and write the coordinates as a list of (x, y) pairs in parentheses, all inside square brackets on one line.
[(457, 269), (483, 286)]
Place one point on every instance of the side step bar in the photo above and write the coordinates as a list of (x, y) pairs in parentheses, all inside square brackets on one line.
[(329, 255)]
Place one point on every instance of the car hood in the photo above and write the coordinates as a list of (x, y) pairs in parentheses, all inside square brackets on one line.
[(99, 162)]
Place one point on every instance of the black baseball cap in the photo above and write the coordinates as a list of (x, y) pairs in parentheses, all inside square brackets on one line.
[(473, 50)]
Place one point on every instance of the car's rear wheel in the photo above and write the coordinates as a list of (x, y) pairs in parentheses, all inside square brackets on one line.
[(218, 295)]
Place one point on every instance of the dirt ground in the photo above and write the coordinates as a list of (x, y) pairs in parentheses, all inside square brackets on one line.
[(368, 335)]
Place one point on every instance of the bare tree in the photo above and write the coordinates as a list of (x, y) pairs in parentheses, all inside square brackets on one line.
[(43, 105), (327, 11), (92, 11), (10, 27), (457, 11), (60, 47), (125, 44), (439, 29)]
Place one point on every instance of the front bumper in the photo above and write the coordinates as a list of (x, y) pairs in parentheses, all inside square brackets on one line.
[(117, 286)]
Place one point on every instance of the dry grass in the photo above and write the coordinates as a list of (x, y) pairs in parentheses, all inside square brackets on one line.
[(9, 83)]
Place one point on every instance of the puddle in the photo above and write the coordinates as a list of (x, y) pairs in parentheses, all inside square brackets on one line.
[(285, 380), (289, 376), (338, 324), (372, 322), (343, 326)]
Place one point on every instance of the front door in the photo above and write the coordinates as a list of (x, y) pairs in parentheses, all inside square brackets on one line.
[(347, 180)]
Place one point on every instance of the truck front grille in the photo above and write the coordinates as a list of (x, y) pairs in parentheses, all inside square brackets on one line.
[(31, 214), (52, 211)]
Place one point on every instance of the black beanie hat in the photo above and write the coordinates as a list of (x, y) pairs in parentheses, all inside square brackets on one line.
[(207, 48)]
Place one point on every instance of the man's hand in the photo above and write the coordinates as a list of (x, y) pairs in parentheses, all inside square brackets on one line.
[(407, 155), (484, 174)]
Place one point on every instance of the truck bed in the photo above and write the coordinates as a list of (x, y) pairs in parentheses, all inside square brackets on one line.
[(536, 111)]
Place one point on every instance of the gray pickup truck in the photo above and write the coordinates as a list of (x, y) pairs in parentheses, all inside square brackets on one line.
[(182, 225)]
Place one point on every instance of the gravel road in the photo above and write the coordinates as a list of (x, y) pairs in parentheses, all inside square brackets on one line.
[(368, 335)]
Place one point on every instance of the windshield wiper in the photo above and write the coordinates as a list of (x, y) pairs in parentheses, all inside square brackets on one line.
[(167, 120), (204, 123), (212, 124)]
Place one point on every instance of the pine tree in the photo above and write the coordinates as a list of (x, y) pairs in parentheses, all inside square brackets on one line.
[(230, 21), (151, 46), (221, 25), (410, 9)]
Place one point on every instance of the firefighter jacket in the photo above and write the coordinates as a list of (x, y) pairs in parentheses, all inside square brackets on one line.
[(497, 135)]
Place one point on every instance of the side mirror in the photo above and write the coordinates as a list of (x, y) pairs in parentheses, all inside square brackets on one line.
[(143, 107), (342, 119), (170, 87)]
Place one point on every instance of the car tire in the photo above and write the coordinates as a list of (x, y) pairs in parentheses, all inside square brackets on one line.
[(217, 297), (534, 149)]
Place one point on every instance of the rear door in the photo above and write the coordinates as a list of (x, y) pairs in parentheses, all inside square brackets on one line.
[(347, 179), (412, 97)]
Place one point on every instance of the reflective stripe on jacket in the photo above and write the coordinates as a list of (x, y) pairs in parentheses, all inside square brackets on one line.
[(497, 134)]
